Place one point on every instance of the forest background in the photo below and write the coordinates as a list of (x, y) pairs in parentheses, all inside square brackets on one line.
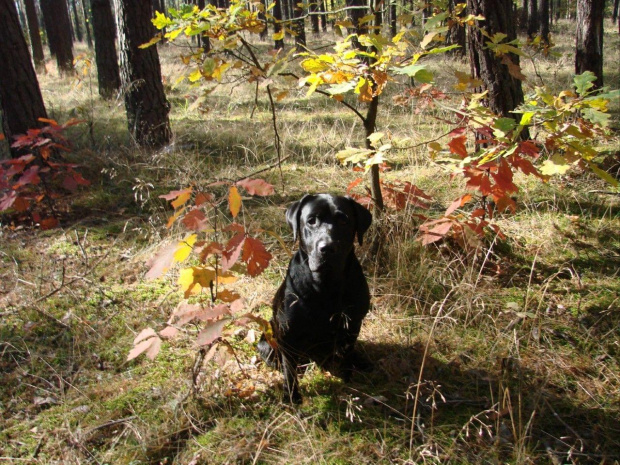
[(150, 149)]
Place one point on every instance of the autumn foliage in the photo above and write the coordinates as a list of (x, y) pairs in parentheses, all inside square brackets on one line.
[(215, 253), (31, 183)]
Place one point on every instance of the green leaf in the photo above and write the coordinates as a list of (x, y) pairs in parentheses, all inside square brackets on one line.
[(604, 175), (584, 82), (343, 88), (596, 116), (419, 72), (505, 125), (435, 21)]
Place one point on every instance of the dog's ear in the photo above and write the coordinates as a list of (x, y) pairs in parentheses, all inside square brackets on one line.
[(293, 212), (363, 219)]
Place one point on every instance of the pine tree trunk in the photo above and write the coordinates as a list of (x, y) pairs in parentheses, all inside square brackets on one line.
[(58, 27), (145, 101), (35, 35), (589, 53), (544, 20), (277, 24), (20, 95), (76, 17), (89, 39), (299, 25), (314, 7), (104, 29), (505, 91), (532, 18)]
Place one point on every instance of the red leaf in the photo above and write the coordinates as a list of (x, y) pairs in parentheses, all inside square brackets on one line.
[(21, 204), (256, 256), (48, 223), (195, 220), (30, 176), (203, 197), (353, 184), (442, 227), (529, 147), (256, 186), (414, 190), (8, 200), (213, 248), (458, 203), (232, 251), (503, 177), (69, 183), (504, 203), (159, 264), (234, 227), (457, 146), (479, 181), (211, 332)]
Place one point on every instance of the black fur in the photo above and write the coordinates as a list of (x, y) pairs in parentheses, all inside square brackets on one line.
[(319, 308)]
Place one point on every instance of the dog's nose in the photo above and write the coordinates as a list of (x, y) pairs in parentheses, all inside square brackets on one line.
[(326, 247)]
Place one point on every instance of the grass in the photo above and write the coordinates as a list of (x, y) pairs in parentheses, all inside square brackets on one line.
[(511, 353)]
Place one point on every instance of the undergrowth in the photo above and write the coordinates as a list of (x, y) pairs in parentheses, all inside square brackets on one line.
[(507, 354)]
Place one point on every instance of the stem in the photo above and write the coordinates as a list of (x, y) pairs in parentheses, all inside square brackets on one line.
[(375, 182)]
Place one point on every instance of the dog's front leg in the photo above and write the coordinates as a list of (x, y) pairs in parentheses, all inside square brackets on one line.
[(291, 383)]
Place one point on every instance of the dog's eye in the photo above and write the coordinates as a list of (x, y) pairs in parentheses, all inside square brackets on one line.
[(342, 219), (311, 221)]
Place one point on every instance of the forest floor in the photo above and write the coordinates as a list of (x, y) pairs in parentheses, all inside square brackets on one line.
[(510, 352)]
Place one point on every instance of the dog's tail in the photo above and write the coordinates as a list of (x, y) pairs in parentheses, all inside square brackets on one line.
[(267, 353)]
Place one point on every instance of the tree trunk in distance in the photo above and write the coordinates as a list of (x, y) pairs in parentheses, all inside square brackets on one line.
[(104, 30), (35, 35), (589, 48), (58, 27), (505, 91), (20, 95), (145, 102), (76, 17)]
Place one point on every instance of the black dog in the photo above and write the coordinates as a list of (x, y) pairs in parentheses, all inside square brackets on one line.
[(319, 308)]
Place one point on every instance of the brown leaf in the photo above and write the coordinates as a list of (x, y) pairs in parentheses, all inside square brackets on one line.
[(159, 264), (195, 220), (146, 342), (458, 203), (169, 332), (211, 332), (256, 186)]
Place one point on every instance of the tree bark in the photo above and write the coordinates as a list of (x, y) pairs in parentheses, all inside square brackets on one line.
[(104, 29), (505, 92), (89, 39), (277, 24), (76, 17), (145, 101), (35, 35), (58, 27), (532, 18), (299, 25), (20, 95), (589, 48), (544, 21)]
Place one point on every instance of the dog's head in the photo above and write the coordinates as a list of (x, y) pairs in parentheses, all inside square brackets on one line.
[(326, 226)]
